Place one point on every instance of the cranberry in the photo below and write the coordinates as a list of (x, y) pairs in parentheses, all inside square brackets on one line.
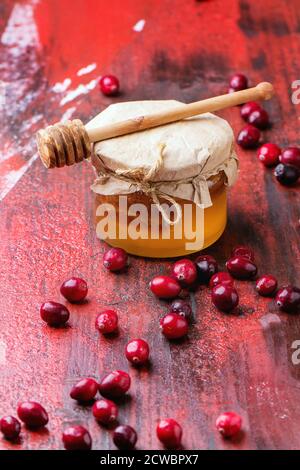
[(169, 432), (221, 278), (266, 285), (182, 308), (248, 108), (10, 427), (124, 437), (109, 85), (165, 287), (243, 251), (185, 272), (259, 118), (115, 384), (268, 154), (74, 289), (241, 267), (115, 259), (286, 174), (54, 314), (32, 414), (225, 297), (238, 82), (288, 298), (207, 266), (174, 326), (248, 137), (107, 322), (84, 390), (105, 411), (291, 156), (137, 352), (229, 424), (77, 438)]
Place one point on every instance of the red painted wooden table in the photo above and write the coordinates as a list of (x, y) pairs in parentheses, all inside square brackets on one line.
[(52, 54)]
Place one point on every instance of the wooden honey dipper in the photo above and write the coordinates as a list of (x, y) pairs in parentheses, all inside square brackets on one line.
[(70, 142)]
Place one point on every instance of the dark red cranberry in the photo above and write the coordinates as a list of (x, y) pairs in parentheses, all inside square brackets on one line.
[(107, 322), (286, 174), (32, 414), (248, 137), (174, 326), (137, 352), (266, 285), (238, 82), (54, 314), (84, 390), (74, 289), (124, 437), (221, 278), (225, 297), (76, 438), (259, 118), (109, 85), (288, 298), (243, 251), (248, 108), (10, 427), (115, 384), (115, 259), (291, 156), (182, 308), (185, 272), (229, 424), (169, 432), (268, 154), (241, 267), (105, 411), (165, 287), (207, 266)]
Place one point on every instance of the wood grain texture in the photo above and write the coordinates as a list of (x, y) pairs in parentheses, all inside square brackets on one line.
[(228, 362)]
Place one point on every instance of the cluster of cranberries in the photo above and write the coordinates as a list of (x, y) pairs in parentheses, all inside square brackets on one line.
[(31, 413)]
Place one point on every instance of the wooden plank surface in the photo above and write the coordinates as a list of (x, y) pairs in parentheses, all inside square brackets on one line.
[(186, 50)]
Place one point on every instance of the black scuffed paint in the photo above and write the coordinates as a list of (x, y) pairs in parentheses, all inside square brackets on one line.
[(252, 25), (246, 22), (259, 62)]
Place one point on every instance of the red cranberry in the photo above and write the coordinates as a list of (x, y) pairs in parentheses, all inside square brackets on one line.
[(84, 390), (54, 314), (174, 326), (115, 259), (137, 352), (248, 137), (109, 85), (221, 278), (259, 118), (32, 414), (124, 437), (225, 297), (77, 438), (165, 287), (238, 82), (241, 267), (229, 424), (74, 289), (107, 322), (115, 384), (105, 411), (286, 174), (268, 154), (266, 285), (288, 298), (248, 108), (169, 432), (185, 272), (207, 266), (291, 156), (243, 251), (10, 427), (182, 308)]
